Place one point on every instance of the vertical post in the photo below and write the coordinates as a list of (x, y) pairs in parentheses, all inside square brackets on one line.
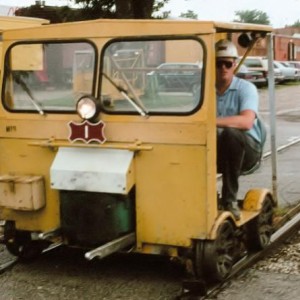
[(272, 108)]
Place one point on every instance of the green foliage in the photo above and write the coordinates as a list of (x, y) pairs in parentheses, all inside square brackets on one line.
[(50, 13), (189, 15), (296, 24), (252, 16), (135, 9), (94, 9)]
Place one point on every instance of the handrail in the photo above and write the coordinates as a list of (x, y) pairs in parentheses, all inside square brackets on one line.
[(135, 146)]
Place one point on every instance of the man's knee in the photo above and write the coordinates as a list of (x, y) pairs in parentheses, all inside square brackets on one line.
[(231, 136), (230, 132)]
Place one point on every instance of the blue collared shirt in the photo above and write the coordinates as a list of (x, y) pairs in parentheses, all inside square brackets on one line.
[(241, 95)]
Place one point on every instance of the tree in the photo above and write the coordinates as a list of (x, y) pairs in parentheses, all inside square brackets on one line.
[(94, 9), (252, 16), (120, 9), (296, 24), (189, 15), (53, 14)]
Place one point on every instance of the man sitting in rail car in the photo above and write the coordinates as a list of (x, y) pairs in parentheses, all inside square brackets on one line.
[(238, 139)]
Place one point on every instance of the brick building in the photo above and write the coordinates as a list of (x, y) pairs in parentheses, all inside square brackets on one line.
[(287, 43)]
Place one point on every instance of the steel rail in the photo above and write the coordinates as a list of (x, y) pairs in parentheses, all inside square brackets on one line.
[(279, 149), (200, 290), (283, 229), (282, 147), (8, 264), (279, 236)]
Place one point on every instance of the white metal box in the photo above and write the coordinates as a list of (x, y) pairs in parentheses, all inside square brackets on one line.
[(22, 192), (93, 170)]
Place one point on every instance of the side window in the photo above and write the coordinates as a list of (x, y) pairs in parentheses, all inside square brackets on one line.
[(159, 76), (48, 76)]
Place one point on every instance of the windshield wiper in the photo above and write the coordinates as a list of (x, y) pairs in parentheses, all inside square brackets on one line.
[(139, 108), (24, 86)]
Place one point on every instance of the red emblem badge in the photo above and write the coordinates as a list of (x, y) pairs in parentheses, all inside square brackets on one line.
[(87, 132)]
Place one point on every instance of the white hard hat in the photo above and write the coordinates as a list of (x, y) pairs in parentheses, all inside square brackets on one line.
[(225, 48)]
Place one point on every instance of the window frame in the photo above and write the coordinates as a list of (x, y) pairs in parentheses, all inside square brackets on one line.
[(6, 71), (156, 38)]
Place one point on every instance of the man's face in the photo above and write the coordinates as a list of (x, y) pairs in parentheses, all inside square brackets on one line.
[(225, 68)]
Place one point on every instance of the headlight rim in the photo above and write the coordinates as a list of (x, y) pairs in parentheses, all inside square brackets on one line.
[(95, 109)]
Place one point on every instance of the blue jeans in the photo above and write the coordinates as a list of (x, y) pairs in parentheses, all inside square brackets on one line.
[(236, 152)]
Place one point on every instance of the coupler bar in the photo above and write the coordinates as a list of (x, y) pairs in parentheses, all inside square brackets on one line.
[(111, 247), (49, 234)]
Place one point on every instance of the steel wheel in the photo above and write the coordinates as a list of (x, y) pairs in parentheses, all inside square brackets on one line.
[(214, 259), (23, 247), (26, 252), (260, 229)]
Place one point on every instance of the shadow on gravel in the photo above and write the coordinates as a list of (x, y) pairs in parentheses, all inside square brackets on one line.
[(64, 273), (120, 262)]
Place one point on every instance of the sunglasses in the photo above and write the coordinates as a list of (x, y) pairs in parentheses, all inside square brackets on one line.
[(226, 63)]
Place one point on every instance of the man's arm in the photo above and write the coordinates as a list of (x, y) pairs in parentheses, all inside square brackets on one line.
[(243, 121)]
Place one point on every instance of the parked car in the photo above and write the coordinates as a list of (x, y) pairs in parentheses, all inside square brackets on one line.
[(178, 77), (296, 65), (289, 73), (256, 77), (258, 63)]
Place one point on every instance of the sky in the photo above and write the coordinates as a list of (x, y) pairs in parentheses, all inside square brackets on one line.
[(280, 12)]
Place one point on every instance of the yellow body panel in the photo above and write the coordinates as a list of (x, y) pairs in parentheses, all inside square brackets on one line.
[(18, 158), (254, 199), (165, 189), (175, 155)]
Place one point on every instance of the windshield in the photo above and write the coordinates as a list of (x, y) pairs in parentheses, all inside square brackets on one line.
[(159, 76), (45, 77)]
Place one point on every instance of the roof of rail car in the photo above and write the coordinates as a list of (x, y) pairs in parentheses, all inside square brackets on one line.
[(13, 22), (238, 27), (130, 27)]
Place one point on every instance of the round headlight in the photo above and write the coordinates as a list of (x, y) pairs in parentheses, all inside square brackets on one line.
[(86, 108)]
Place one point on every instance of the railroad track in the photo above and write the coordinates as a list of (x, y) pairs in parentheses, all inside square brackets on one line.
[(288, 224), (283, 230), (282, 234), (8, 264)]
